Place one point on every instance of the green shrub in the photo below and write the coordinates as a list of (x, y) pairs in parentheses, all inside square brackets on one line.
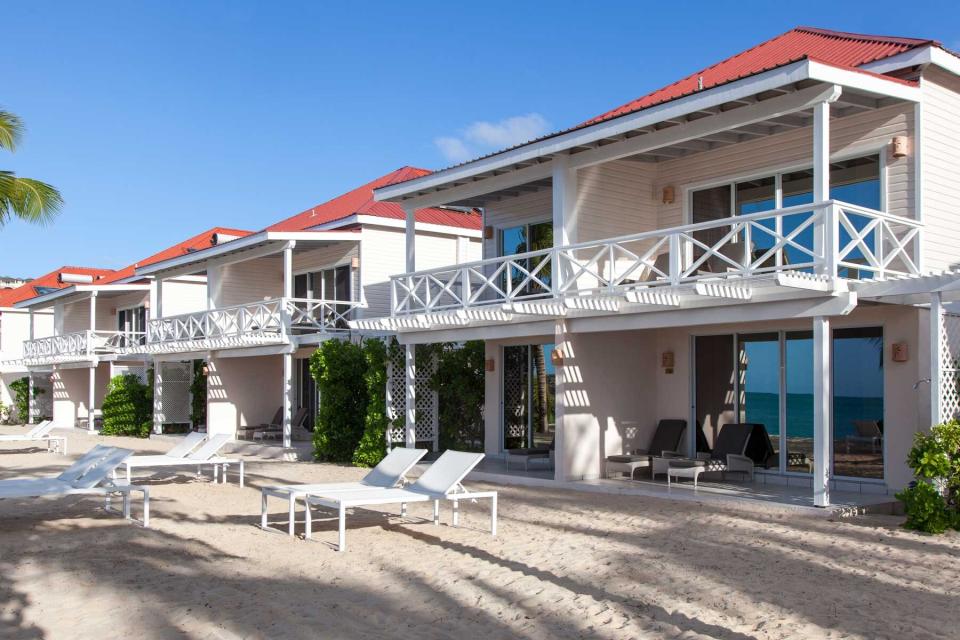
[(21, 399), (373, 444), (931, 504), (198, 395), (459, 383), (339, 368), (926, 509), (126, 408)]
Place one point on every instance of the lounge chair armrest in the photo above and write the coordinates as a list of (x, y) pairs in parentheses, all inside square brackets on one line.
[(672, 454), (702, 455), (640, 452), (737, 461)]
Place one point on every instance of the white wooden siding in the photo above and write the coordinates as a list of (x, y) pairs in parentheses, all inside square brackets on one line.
[(527, 208), (616, 198), (250, 281), (940, 162), (181, 296), (15, 328)]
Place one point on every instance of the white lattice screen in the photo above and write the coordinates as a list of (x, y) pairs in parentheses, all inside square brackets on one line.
[(138, 370), (172, 400), (949, 365), (42, 399), (426, 399)]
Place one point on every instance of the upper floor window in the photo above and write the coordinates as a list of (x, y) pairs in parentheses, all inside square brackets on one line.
[(326, 284), (133, 323), (523, 239)]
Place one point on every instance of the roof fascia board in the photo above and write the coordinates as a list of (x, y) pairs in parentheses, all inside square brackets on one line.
[(53, 297), (737, 89), (929, 54), (757, 112), (200, 257), (378, 221), (863, 82)]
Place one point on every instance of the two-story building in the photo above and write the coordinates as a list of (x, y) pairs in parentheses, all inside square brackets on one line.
[(761, 241), (274, 295), (99, 322)]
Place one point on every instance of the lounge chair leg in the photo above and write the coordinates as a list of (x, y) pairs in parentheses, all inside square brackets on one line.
[(146, 506), (342, 542), (456, 512), (291, 508), (493, 515), (126, 505), (128, 474), (403, 509), (241, 474), (263, 510), (307, 520), (436, 512)]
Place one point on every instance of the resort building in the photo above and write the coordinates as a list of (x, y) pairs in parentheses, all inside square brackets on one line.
[(274, 295), (769, 240), (99, 319)]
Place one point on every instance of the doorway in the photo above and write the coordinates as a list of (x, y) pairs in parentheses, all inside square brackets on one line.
[(529, 396)]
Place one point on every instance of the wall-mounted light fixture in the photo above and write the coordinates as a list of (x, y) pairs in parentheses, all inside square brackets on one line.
[(900, 352), (354, 262), (205, 370), (489, 365), (667, 361), (668, 195), (556, 358), (488, 233), (899, 146)]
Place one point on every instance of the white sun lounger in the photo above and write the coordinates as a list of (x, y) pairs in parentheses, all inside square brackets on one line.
[(442, 481), (390, 472), (206, 454), (87, 476), (40, 432)]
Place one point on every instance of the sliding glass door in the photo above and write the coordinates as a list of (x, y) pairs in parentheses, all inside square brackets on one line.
[(529, 396)]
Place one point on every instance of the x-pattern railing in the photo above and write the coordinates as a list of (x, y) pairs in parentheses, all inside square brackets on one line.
[(81, 344), (832, 238), (320, 315)]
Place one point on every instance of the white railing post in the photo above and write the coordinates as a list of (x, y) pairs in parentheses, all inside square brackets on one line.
[(878, 232), (676, 260), (830, 222), (393, 297), (410, 385), (464, 287), (936, 355)]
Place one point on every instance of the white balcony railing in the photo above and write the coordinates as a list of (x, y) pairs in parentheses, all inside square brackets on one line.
[(81, 345), (831, 238), (265, 322)]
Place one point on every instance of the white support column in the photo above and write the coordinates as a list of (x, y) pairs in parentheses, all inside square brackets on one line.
[(91, 398), (287, 400), (93, 311), (564, 212), (822, 402), (410, 384), (156, 298), (411, 238), (30, 398), (936, 358), (288, 270), (213, 286), (560, 465), (824, 239)]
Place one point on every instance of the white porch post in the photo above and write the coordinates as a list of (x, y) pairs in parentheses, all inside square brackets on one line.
[(410, 384), (822, 401), (213, 285), (287, 357), (560, 456), (30, 408), (411, 238), (91, 396), (287, 400), (936, 357), (824, 233), (93, 311), (564, 214)]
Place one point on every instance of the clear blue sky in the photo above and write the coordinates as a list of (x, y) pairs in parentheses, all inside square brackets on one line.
[(160, 120)]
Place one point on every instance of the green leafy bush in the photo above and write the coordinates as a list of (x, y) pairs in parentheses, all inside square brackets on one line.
[(21, 399), (459, 383), (926, 509), (931, 504), (198, 395), (373, 444), (339, 368), (126, 408)]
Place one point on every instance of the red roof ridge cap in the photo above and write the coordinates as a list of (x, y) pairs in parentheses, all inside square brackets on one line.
[(867, 36)]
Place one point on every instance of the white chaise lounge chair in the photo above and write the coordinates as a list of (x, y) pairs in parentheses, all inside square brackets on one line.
[(206, 454), (442, 481), (90, 475), (40, 432), (390, 473)]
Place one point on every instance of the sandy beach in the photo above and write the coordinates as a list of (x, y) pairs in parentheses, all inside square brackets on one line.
[(564, 565)]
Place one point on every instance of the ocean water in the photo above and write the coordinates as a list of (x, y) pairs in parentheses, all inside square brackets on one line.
[(764, 408)]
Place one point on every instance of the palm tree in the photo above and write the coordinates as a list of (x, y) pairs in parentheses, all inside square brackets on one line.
[(27, 199)]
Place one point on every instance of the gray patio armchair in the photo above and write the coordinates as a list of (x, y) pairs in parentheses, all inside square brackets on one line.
[(246, 433), (666, 440), (729, 454)]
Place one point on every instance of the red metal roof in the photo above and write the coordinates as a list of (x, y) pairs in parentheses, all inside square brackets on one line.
[(9, 297), (196, 243), (360, 201), (837, 48)]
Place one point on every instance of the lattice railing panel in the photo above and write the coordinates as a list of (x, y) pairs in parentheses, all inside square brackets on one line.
[(427, 403), (172, 402), (949, 365), (396, 396), (515, 392)]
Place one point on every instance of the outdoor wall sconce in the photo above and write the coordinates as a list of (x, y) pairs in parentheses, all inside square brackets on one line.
[(900, 352), (205, 370), (354, 262), (669, 194), (556, 358), (899, 146), (667, 361), (489, 365), (488, 233)]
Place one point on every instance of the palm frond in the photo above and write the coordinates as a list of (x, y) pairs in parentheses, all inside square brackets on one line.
[(30, 200), (11, 130)]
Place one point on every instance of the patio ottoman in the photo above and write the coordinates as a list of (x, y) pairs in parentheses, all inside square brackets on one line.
[(626, 464), (685, 469)]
